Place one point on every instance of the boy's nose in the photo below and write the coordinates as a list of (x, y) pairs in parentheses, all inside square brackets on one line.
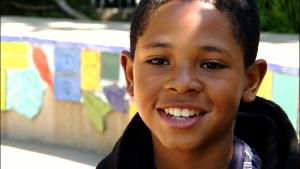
[(184, 81)]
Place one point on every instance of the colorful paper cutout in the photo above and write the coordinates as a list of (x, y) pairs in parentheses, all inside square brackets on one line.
[(41, 63), (132, 109), (90, 70), (67, 59), (285, 93), (15, 48), (116, 97), (14, 55), (24, 92), (3, 90), (110, 66), (48, 50), (96, 110), (67, 88), (265, 89)]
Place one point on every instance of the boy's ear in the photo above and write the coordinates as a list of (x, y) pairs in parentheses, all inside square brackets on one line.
[(254, 76), (127, 64)]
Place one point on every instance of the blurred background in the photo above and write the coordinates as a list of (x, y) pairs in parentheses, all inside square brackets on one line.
[(276, 15), (63, 99)]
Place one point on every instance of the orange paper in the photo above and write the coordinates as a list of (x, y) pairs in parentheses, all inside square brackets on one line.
[(41, 63)]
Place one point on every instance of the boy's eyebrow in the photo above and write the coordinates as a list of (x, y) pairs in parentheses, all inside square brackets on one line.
[(158, 45), (207, 48), (211, 48)]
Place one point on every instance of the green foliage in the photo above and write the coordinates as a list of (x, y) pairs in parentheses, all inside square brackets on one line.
[(279, 15), (8, 7), (85, 7)]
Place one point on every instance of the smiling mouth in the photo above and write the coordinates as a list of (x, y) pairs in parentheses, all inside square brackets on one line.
[(181, 118), (179, 113)]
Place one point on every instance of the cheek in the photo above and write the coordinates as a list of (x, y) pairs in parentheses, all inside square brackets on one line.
[(145, 89), (146, 93), (225, 96), (224, 100)]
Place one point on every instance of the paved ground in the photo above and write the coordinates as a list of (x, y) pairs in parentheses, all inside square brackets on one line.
[(33, 155)]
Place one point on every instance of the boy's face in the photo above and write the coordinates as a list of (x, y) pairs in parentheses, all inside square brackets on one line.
[(187, 63)]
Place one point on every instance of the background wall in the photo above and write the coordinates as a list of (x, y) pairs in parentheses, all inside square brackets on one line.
[(66, 124), (35, 106)]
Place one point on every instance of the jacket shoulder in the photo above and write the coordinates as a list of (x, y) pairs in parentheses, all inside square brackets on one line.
[(265, 127)]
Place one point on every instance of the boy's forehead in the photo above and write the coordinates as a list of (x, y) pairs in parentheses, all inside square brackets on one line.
[(182, 7), (187, 16), (186, 13), (195, 23)]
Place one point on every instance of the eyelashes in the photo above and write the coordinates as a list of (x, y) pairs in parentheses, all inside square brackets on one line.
[(158, 61), (213, 65), (208, 64)]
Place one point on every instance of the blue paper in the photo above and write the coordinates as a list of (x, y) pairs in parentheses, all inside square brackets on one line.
[(116, 97), (25, 92), (67, 88), (67, 59)]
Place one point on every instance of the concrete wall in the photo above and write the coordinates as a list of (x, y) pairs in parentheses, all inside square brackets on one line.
[(64, 123)]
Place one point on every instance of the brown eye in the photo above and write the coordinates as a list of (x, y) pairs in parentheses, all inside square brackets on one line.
[(158, 61), (213, 65)]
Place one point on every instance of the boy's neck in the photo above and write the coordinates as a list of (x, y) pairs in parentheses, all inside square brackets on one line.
[(214, 156)]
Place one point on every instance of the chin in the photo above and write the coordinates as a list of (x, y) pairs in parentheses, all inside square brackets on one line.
[(181, 144)]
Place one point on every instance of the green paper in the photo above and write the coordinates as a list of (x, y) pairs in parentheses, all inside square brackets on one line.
[(110, 66), (285, 93), (96, 110)]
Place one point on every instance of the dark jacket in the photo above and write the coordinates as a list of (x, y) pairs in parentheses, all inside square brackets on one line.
[(266, 128), (262, 124)]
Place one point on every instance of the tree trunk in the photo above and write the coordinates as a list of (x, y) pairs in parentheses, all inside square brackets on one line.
[(63, 5)]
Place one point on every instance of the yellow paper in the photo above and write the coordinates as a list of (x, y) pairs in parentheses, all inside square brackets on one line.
[(90, 70), (14, 55), (14, 62), (15, 48), (265, 89), (132, 109), (3, 90)]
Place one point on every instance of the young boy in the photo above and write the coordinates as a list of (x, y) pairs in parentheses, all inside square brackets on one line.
[(191, 63)]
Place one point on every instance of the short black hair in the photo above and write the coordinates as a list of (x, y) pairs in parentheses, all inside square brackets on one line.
[(243, 15)]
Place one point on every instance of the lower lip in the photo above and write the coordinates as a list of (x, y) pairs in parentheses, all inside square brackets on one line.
[(180, 123)]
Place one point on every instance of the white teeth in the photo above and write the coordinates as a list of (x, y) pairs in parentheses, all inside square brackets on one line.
[(167, 111), (171, 111), (177, 112), (185, 113), (193, 112)]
